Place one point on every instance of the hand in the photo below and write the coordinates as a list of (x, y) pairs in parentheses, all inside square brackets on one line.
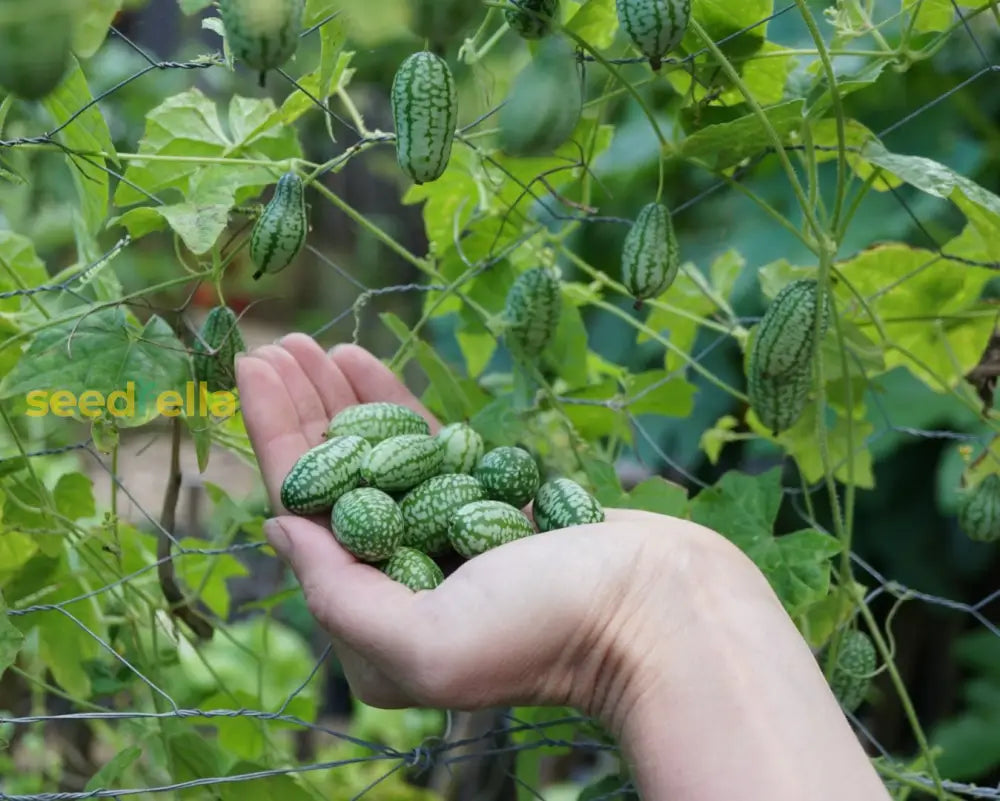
[(657, 627), (536, 621)]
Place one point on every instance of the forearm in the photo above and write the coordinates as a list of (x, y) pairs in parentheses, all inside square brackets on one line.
[(726, 700)]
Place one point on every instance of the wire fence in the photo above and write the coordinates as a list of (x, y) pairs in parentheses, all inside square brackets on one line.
[(497, 740)]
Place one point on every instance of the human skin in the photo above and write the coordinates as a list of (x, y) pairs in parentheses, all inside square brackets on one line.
[(658, 628)]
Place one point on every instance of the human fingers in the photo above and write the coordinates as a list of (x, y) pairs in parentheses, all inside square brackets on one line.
[(372, 381), (309, 406), (272, 421), (331, 385)]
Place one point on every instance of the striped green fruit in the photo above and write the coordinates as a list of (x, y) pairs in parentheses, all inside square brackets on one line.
[(650, 256), (544, 105), (531, 19), (979, 510), (215, 349), (463, 447), (402, 462), (655, 26), (531, 312), (852, 673), (368, 523), (429, 508), (508, 474), (377, 421), (780, 366), (323, 474), (280, 231), (780, 400), (481, 525), (561, 503), (414, 569), (35, 45), (263, 34), (424, 112)]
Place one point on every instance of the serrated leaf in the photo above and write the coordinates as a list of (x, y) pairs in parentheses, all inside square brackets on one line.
[(85, 132), (20, 268), (728, 143), (743, 509), (105, 352)]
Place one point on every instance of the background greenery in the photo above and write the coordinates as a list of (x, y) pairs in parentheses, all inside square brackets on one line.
[(179, 151)]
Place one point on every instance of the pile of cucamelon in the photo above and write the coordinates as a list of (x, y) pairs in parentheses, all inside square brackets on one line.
[(398, 495)]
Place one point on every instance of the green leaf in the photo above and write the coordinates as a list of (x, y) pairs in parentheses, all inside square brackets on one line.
[(797, 566), (104, 353), (568, 351), (689, 296), (728, 143), (207, 575), (92, 21), (720, 18), (193, 757), (84, 132), (11, 639), (64, 644), (497, 422), (446, 385), (188, 125), (596, 22), (193, 6), (266, 788), (743, 508), (112, 771), (714, 439), (930, 15), (74, 496), (658, 495), (652, 392), (20, 268), (935, 179)]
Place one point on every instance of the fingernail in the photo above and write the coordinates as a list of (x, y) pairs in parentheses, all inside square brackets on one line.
[(278, 537)]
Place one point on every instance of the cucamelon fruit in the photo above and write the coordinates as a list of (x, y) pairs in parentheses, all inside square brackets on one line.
[(377, 421), (508, 474), (323, 474), (780, 367), (482, 525), (979, 510), (531, 19), (263, 34), (402, 462), (650, 256), (852, 673), (215, 349), (655, 26), (413, 569), (786, 335), (35, 45), (428, 509), (368, 523), (280, 231), (424, 112), (531, 312), (544, 105), (463, 447), (562, 502)]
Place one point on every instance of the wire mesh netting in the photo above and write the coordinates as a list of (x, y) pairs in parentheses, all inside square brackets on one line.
[(110, 691)]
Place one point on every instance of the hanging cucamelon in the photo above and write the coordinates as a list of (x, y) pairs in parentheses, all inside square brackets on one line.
[(650, 255), (280, 231), (215, 349), (655, 26), (263, 34), (424, 112)]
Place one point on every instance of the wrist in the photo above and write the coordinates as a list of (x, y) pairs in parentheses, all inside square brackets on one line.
[(714, 684)]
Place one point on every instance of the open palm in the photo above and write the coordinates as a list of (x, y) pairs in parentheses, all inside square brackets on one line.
[(514, 625)]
